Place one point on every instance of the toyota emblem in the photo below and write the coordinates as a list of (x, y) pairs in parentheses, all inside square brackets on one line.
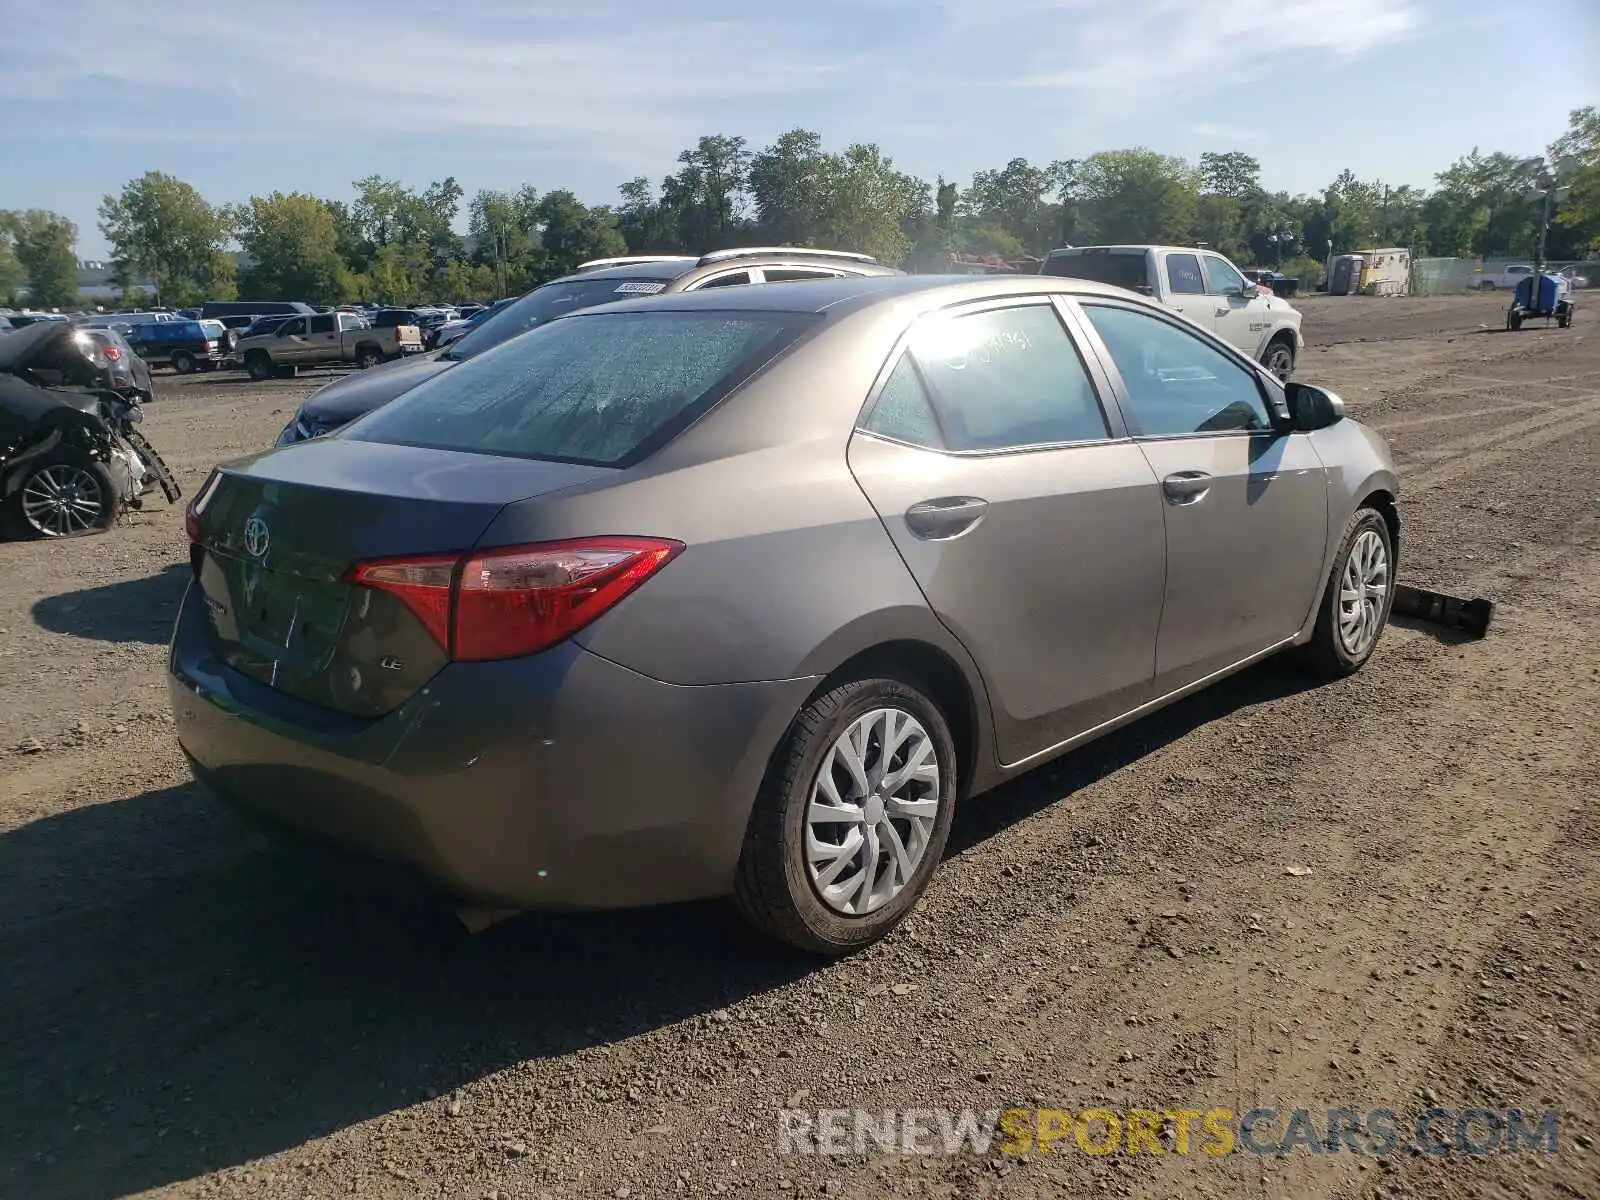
[(257, 538)]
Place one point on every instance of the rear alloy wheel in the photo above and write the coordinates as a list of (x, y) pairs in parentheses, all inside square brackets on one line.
[(1279, 359), (851, 820), (183, 362), (66, 497), (368, 356), (1355, 606), (260, 366)]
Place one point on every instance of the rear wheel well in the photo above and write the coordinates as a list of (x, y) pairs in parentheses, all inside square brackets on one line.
[(1383, 501), (933, 672)]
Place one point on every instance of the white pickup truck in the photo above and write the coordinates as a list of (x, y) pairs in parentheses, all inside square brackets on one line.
[(1507, 276), (1202, 285)]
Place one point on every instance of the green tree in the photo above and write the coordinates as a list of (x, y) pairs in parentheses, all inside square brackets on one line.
[(162, 228), (1219, 224), (869, 205), (649, 226), (1017, 199), (469, 281), (570, 232), (11, 273), (381, 211), (293, 244), (1233, 173), (42, 245), (1576, 155), (1482, 207), (788, 184), (503, 227), (1137, 196), (706, 194)]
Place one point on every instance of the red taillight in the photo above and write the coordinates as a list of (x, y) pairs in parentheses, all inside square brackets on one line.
[(191, 514), (112, 353), (516, 600), (425, 584)]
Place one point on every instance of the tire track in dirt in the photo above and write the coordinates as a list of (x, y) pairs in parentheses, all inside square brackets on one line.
[(1455, 460)]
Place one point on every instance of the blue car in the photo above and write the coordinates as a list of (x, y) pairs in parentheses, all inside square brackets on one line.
[(185, 346)]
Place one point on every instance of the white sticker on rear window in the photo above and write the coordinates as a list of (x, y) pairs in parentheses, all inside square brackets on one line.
[(645, 287)]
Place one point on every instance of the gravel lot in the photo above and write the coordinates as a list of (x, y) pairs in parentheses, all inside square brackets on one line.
[(188, 1011)]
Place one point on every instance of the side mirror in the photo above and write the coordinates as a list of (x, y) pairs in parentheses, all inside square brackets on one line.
[(1312, 408), (1250, 290)]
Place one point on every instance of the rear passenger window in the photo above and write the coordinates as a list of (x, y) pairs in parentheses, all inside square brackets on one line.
[(1006, 378), (794, 274), (1183, 275), (903, 411), (322, 324), (732, 280)]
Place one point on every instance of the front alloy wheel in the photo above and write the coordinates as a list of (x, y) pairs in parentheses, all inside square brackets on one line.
[(1363, 593), (1355, 605), (1279, 360)]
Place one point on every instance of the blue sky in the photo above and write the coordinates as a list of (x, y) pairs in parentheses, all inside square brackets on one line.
[(242, 99)]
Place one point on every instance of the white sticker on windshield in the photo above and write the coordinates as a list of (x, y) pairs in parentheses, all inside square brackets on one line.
[(644, 287)]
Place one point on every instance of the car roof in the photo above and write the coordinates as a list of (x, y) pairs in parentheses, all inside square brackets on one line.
[(1141, 247), (853, 293), (677, 267), (667, 269)]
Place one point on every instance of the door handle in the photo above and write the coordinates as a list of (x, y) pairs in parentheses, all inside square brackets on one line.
[(1224, 311), (944, 518), (1186, 487)]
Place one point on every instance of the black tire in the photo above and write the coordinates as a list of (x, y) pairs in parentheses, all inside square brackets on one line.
[(1278, 358), (183, 362), (773, 889), (1488, 285), (1514, 321), (91, 481), (368, 357), (259, 364), (1326, 653)]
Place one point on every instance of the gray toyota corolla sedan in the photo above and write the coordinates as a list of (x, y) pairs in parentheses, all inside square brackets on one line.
[(743, 591)]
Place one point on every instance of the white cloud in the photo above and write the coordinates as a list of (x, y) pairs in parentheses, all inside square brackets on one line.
[(559, 74), (1162, 48)]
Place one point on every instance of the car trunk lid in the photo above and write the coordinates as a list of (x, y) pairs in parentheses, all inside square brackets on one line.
[(278, 535)]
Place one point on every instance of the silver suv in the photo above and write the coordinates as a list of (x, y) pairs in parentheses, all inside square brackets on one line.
[(600, 281)]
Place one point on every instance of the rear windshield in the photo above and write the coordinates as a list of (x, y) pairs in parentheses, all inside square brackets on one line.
[(545, 304), (1124, 270), (606, 389)]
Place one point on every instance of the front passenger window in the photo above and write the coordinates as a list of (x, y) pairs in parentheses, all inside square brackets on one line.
[(1225, 281), (1177, 384)]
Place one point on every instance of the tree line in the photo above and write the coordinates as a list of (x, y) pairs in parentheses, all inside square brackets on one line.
[(392, 243)]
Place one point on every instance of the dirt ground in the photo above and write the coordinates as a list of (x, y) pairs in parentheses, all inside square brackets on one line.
[(186, 1010)]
